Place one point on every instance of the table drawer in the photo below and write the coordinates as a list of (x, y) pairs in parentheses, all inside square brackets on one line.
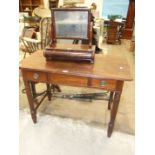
[(68, 80), (103, 84), (35, 76)]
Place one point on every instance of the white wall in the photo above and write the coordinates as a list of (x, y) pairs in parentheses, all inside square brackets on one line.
[(87, 3)]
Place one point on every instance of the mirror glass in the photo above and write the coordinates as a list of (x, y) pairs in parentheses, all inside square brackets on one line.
[(71, 24)]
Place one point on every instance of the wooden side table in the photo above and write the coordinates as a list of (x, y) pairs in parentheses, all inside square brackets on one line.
[(109, 72)]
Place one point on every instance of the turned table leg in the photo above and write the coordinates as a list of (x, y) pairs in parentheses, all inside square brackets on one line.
[(49, 93), (30, 100), (114, 107), (113, 112), (110, 100), (33, 89)]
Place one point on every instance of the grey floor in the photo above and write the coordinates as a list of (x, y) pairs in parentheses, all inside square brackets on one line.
[(53, 135)]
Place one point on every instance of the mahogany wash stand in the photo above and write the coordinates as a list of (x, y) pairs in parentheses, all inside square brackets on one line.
[(108, 72)]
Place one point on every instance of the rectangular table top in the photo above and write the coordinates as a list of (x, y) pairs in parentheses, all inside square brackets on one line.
[(104, 67)]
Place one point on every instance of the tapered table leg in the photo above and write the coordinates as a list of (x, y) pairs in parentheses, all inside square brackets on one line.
[(49, 93), (114, 112), (33, 89), (114, 107), (30, 100), (57, 87), (110, 100)]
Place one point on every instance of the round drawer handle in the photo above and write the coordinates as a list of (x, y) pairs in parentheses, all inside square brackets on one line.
[(103, 83), (35, 76)]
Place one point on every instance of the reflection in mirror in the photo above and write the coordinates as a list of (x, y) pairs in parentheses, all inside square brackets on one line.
[(71, 24)]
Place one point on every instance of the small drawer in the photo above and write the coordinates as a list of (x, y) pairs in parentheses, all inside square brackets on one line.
[(68, 80), (35, 76), (103, 84)]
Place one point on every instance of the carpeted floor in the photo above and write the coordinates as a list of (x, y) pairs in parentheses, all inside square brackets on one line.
[(62, 136)]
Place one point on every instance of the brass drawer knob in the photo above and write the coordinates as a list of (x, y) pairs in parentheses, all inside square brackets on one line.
[(35, 76), (103, 83)]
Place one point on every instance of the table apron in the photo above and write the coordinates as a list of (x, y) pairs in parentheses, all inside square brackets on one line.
[(70, 80)]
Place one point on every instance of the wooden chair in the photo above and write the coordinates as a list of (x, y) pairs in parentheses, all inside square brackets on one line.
[(31, 21), (30, 45), (30, 42), (45, 31)]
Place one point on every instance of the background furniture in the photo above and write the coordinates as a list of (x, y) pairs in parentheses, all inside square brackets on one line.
[(114, 32), (107, 73), (30, 45), (29, 5), (31, 42), (42, 12), (31, 21), (28, 41), (129, 25), (45, 31), (53, 3)]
